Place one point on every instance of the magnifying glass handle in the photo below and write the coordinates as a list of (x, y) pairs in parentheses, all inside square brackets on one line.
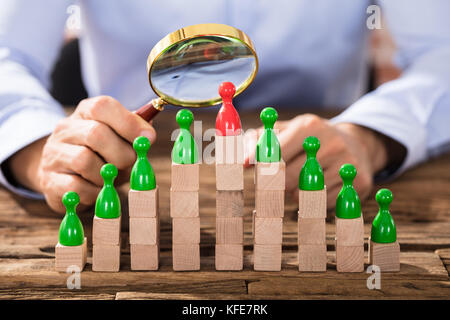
[(150, 110)]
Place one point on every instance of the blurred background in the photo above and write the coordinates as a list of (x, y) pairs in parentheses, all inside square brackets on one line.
[(68, 86)]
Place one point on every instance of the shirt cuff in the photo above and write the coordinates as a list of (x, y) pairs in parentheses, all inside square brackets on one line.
[(18, 131), (392, 120)]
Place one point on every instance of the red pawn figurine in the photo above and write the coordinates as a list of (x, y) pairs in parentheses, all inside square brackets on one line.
[(228, 122)]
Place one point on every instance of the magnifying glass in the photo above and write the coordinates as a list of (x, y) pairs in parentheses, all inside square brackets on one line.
[(186, 67)]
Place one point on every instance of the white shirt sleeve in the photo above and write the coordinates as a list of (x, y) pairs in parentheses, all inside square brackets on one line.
[(31, 33), (414, 109)]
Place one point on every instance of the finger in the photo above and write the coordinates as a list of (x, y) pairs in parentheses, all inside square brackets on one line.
[(331, 176), (101, 139), (59, 183), (123, 176), (75, 159), (109, 111), (291, 139)]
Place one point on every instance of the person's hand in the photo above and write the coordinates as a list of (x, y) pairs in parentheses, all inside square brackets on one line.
[(100, 130), (339, 144)]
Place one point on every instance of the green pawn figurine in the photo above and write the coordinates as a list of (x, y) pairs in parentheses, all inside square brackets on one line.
[(142, 176), (311, 176), (348, 205), (71, 231), (383, 226), (108, 202), (185, 149), (384, 249), (268, 147)]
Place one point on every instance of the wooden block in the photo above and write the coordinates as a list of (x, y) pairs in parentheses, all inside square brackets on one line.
[(143, 204), (144, 256), (184, 204), (185, 177), (106, 231), (312, 231), (312, 257), (229, 149), (312, 204), (349, 258), (230, 204), (66, 256), (385, 255), (229, 257), (268, 230), (350, 232), (144, 231), (267, 257), (229, 177), (229, 230), (270, 176), (269, 203), (106, 258), (186, 230), (186, 257)]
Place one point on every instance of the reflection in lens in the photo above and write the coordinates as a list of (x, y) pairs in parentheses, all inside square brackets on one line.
[(192, 70)]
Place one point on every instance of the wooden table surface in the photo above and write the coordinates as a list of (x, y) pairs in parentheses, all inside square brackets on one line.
[(421, 208)]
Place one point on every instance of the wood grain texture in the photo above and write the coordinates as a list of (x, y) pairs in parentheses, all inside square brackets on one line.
[(312, 231), (349, 258), (385, 255), (230, 204), (421, 209), (229, 257), (105, 258), (186, 257), (267, 257), (185, 177), (144, 230), (269, 203), (143, 204), (229, 230), (268, 230), (66, 256), (186, 230), (270, 176), (312, 204), (144, 257), (106, 231), (184, 204), (312, 257), (350, 232), (229, 177), (229, 149)]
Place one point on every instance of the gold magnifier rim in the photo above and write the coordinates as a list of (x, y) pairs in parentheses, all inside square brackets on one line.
[(195, 31)]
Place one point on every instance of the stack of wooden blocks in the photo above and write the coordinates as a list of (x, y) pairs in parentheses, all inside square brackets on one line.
[(106, 242), (184, 210), (350, 244), (312, 246), (268, 215), (229, 202), (144, 229)]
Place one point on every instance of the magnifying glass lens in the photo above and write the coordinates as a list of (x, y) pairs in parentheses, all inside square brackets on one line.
[(190, 71)]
